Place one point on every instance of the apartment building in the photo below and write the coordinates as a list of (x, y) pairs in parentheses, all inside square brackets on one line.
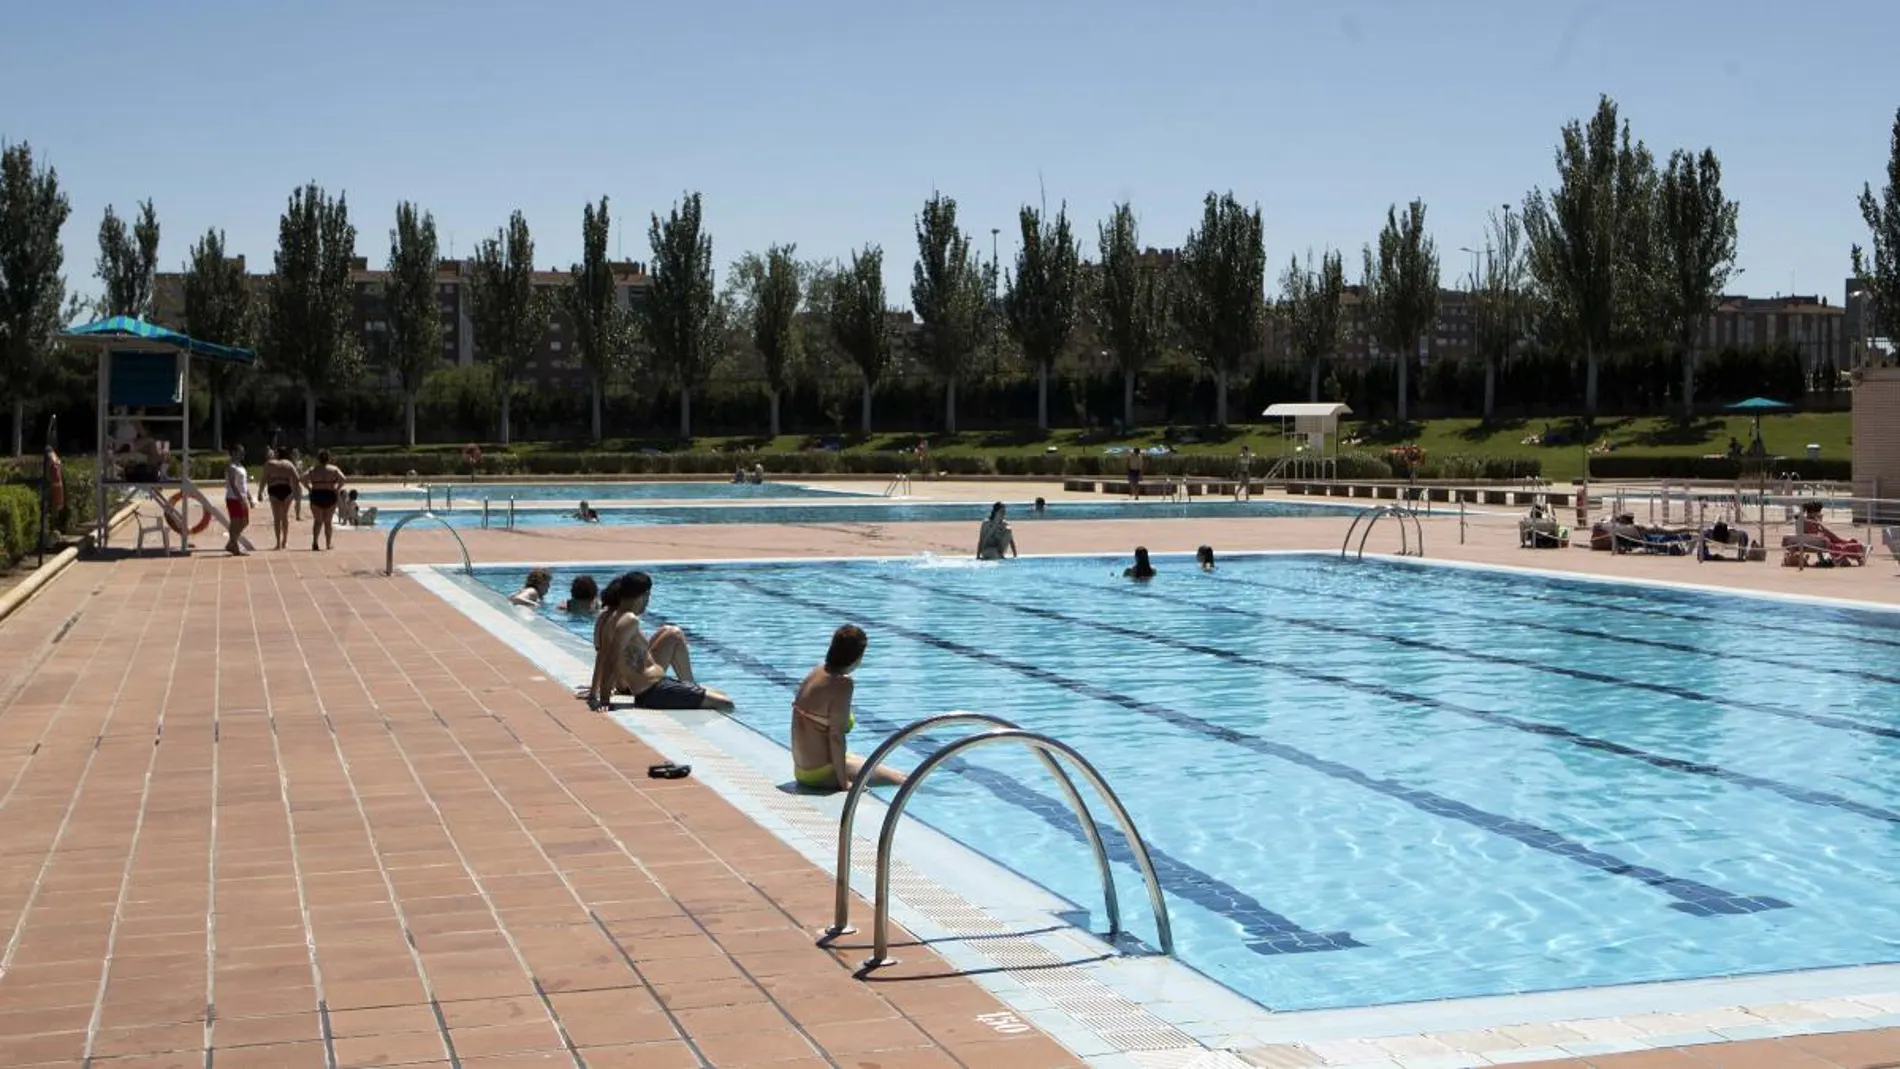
[(555, 364), (1816, 328)]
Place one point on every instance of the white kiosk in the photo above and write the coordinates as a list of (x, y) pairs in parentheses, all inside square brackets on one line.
[(1309, 425), (145, 372)]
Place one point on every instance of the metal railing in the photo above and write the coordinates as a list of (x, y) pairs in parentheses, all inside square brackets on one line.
[(428, 498), (1048, 748), (1371, 517), (389, 554), (841, 915), (899, 485), (509, 522)]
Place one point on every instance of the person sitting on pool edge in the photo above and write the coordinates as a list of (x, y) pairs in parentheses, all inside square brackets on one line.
[(995, 537), (630, 663), (821, 717), (534, 589), (1204, 556), (583, 597), (1141, 570)]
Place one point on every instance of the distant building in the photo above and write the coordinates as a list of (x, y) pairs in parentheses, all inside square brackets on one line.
[(555, 364), (1809, 323)]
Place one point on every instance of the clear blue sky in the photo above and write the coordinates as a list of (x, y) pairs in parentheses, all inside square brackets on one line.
[(827, 122)]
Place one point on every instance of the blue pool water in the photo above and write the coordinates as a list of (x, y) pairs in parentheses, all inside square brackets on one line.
[(575, 492), (469, 514), (1381, 782)]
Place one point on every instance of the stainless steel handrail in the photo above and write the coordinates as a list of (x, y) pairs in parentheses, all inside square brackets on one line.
[(1371, 517), (841, 914), (389, 556), (1048, 747), (899, 482)]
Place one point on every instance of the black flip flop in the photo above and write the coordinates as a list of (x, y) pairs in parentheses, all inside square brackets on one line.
[(669, 770)]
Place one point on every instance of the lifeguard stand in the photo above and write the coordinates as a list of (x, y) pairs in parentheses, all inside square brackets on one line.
[(144, 366), (1312, 427)]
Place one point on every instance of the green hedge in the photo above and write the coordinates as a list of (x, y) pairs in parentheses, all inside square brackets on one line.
[(434, 464), (81, 490), (19, 522), (1713, 469)]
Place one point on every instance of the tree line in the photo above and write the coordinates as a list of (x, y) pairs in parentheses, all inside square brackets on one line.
[(1618, 262)]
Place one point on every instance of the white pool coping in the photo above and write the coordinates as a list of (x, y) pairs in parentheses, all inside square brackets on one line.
[(1148, 1011)]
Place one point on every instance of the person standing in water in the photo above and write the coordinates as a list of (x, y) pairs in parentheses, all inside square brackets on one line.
[(326, 489), (1142, 570), (281, 484), (237, 500), (995, 538), (821, 718)]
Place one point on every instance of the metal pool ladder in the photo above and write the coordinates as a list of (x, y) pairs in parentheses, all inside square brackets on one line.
[(389, 548), (1047, 750), (899, 485), (1372, 516)]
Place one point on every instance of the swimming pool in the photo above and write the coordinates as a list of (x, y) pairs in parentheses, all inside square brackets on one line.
[(570, 493), (1381, 782), (469, 513)]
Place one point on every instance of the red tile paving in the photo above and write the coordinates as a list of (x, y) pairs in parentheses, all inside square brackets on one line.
[(288, 811)]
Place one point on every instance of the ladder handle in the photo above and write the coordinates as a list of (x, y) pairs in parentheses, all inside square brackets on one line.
[(887, 835), (389, 558), (841, 909)]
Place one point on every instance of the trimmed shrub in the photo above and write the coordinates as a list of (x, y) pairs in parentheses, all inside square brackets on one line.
[(19, 522)]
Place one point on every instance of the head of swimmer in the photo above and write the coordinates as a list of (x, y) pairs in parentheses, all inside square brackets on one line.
[(846, 651), (1205, 557), (539, 580), (635, 589)]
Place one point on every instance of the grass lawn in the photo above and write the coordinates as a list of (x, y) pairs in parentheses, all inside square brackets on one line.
[(1787, 435)]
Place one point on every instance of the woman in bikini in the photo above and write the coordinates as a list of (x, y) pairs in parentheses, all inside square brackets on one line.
[(821, 717), (281, 484), (326, 488)]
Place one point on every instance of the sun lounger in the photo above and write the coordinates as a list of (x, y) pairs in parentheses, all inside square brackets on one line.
[(1829, 551)]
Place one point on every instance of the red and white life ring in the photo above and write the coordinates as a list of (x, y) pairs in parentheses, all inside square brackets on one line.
[(178, 509)]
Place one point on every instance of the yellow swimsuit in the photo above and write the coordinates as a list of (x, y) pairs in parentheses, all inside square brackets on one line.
[(824, 776)]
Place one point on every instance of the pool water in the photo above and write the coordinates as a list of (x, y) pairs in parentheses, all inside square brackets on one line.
[(468, 513), (570, 493), (1379, 782)]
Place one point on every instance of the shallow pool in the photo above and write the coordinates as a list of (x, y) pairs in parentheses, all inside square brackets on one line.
[(1380, 782), (466, 494)]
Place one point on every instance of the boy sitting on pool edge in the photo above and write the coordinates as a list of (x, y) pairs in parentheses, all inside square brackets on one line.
[(627, 662)]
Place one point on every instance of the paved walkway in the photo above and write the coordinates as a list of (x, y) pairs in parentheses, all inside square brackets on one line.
[(285, 812)]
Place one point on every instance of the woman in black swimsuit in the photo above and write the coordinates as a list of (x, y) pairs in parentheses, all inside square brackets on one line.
[(282, 484), (326, 486)]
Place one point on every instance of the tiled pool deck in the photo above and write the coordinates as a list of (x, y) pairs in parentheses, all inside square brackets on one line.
[(283, 812)]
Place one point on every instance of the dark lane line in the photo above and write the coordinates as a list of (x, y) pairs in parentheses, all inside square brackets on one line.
[(1840, 723), (1268, 933), (1623, 594), (1790, 791), (1696, 899), (1584, 632)]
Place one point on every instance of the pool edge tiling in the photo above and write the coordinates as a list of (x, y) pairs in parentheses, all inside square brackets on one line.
[(1133, 1010)]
